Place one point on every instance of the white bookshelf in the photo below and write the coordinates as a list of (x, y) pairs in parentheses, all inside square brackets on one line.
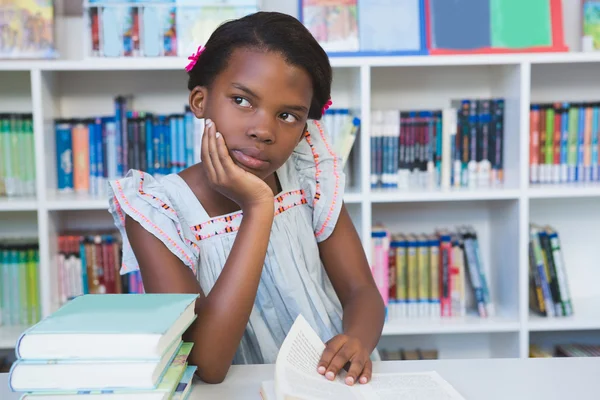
[(501, 215)]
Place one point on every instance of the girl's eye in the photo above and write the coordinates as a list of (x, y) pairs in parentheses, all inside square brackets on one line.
[(242, 102), (288, 117)]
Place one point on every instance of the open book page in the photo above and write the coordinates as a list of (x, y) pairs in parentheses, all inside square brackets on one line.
[(296, 373), (409, 386)]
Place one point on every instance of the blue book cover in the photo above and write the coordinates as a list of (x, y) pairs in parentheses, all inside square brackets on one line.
[(116, 313), (123, 318)]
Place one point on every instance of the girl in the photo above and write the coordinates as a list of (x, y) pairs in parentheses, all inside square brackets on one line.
[(258, 228)]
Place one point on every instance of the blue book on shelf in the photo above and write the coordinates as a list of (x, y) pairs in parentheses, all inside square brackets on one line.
[(109, 326)]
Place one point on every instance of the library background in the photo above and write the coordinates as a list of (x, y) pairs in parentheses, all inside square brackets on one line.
[(469, 132)]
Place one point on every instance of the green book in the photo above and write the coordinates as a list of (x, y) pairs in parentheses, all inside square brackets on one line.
[(23, 295), (14, 154), (33, 313), (572, 141), (549, 141), (2, 162), (6, 159)]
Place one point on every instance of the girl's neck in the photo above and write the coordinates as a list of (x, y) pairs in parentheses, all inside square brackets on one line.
[(213, 202)]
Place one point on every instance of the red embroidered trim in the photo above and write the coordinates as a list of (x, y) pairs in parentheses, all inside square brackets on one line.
[(232, 223), (337, 181), (154, 226)]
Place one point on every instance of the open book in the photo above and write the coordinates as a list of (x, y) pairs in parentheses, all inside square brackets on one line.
[(296, 376)]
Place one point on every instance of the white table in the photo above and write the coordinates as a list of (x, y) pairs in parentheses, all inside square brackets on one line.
[(489, 379)]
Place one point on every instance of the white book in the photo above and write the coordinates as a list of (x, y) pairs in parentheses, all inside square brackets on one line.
[(296, 376)]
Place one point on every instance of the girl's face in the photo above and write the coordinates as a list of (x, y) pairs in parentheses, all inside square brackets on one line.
[(260, 105)]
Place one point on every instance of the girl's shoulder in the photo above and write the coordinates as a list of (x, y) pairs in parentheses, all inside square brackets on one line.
[(319, 172), (155, 205)]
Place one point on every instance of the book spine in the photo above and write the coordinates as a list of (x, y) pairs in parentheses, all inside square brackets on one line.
[(401, 277), (434, 277), (445, 270), (423, 276)]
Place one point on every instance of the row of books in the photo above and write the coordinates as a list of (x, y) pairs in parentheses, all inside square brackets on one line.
[(342, 127), (564, 142), (426, 275), (91, 151), (90, 264), (565, 350), (17, 164), (137, 350), (405, 354), (549, 293), (19, 282), (459, 146), (157, 28)]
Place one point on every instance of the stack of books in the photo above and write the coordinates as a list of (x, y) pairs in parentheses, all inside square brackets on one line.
[(108, 346)]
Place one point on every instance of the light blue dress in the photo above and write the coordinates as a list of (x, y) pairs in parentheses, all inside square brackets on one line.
[(293, 279)]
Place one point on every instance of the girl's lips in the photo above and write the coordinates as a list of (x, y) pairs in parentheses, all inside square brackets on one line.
[(250, 158)]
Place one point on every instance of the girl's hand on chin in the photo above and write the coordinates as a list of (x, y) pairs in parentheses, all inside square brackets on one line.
[(246, 189)]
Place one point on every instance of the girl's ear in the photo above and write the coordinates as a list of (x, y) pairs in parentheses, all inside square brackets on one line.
[(198, 101)]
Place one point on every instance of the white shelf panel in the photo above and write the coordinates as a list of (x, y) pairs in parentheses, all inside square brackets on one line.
[(404, 196), (352, 197), (9, 336), (556, 191), (179, 63), (74, 201), (18, 204), (586, 317), (468, 324)]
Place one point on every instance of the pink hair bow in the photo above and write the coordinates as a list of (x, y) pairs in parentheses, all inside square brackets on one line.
[(194, 58), (326, 106)]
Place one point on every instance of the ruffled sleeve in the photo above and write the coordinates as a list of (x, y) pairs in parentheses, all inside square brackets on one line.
[(321, 177), (144, 199)]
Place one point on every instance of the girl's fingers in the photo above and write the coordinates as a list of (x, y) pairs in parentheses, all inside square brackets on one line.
[(224, 157), (206, 160), (212, 150), (357, 365), (332, 347), (367, 372)]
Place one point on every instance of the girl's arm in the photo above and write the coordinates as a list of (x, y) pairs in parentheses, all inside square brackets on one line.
[(364, 311), (223, 314)]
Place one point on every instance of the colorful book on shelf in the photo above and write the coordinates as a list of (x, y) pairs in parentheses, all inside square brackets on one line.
[(366, 27), (564, 142), (590, 16), (342, 127), (494, 26), (549, 292), (17, 176), (458, 146), (19, 283), (92, 150), (428, 273), (91, 264), (120, 326), (27, 29)]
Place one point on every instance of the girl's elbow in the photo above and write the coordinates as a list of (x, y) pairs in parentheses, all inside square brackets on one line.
[(211, 378), (212, 373)]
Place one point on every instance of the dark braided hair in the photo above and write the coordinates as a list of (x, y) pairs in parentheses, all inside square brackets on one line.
[(269, 31)]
